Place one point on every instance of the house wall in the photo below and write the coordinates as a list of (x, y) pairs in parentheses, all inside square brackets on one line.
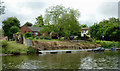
[(26, 29), (84, 32)]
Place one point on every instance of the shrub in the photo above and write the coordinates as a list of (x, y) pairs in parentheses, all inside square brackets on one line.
[(79, 36), (27, 34), (108, 44), (98, 41), (91, 39), (105, 45), (45, 37), (31, 50), (4, 43), (31, 38), (86, 37), (37, 37), (117, 45)]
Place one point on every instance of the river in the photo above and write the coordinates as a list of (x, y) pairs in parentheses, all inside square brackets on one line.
[(79, 60)]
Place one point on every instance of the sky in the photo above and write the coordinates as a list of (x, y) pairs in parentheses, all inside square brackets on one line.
[(91, 11)]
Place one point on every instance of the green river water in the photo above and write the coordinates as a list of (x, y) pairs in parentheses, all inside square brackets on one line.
[(79, 60)]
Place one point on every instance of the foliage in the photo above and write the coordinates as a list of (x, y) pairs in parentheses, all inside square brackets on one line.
[(40, 22), (14, 29), (4, 43), (62, 21), (28, 24), (14, 47), (84, 25), (7, 24), (79, 35), (108, 44), (27, 34), (109, 28), (45, 37), (113, 33), (31, 50)]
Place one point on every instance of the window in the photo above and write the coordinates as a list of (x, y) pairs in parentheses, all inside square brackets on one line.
[(36, 33)]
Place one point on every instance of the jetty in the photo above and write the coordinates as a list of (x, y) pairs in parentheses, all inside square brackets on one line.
[(69, 51), (62, 51)]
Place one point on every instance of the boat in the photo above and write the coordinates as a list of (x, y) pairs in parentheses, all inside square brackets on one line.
[(98, 49)]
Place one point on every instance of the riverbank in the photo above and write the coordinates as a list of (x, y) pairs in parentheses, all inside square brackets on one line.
[(13, 48), (63, 45)]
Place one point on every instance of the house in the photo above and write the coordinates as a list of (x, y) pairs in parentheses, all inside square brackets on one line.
[(33, 30), (84, 31)]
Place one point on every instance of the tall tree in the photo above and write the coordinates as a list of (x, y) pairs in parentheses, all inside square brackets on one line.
[(64, 21), (40, 22), (7, 24), (110, 29), (84, 25), (28, 24)]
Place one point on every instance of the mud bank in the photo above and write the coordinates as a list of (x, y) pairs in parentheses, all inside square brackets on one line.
[(58, 45)]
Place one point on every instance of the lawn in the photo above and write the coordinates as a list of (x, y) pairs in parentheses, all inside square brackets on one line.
[(13, 47), (47, 40)]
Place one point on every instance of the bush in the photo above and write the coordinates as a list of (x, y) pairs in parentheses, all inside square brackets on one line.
[(105, 45), (37, 37), (91, 39), (98, 41), (31, 50), (79, 36), (117, 45), (4, 43), (45, 37), (108, 44), (27, 34)]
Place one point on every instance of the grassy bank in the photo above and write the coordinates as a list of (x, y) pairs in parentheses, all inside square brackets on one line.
[(11, 47), (108, 44)]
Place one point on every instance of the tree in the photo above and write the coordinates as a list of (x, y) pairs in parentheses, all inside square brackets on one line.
[(7, 24), (110, 29), (63, 21), (69, 26), (84, 25), (28, 24), (113, 33), (14, 29), (27, 34), (40, 22)]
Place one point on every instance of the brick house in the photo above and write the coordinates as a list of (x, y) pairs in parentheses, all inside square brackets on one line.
[(33, 30)]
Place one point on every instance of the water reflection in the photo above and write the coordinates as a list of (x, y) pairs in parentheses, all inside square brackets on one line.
[(81, 60)]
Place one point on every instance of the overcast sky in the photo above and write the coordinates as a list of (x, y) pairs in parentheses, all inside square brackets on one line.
[(91, 10)]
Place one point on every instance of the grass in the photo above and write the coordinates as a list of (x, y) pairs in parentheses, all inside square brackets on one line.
[(47, 40), (108, 44), (14, 47)]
